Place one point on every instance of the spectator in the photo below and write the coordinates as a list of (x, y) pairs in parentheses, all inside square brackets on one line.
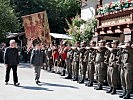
[(11, 62)]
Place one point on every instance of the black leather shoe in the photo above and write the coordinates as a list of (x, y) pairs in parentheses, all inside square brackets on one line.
[(62, 74), (99, 87), (68, 77), (113, 91), (90, 84), (16, 84), (110, 90), (81, 81), (6, 83), (124, 93), (127, 96), (75, 79), (37, 82)]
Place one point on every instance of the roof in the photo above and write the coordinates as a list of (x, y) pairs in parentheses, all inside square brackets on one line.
[(12, 35), (61, 36)]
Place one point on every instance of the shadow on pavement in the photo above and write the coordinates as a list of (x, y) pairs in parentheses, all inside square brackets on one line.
[(59, 85), (35, 88), (25, 65)]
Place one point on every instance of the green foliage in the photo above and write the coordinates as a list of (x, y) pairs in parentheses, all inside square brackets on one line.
[(8, 20), (78, 33), (57, 11), (88, 30)]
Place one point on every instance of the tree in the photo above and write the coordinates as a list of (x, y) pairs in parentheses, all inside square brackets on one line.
[(57, 10), (77, 32), (8, 20)]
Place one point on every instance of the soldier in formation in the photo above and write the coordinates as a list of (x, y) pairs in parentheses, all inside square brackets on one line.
[(112, 72), (127, 70), (100, 65), (104, 62), (90, 58), (75, 67), (82, 63)]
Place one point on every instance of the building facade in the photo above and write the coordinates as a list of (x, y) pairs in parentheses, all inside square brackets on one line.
[(115, 20)]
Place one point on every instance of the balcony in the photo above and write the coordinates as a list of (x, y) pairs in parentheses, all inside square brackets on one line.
[(115, 16)]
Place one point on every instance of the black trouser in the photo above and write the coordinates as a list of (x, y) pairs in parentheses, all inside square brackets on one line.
[(14, 69)]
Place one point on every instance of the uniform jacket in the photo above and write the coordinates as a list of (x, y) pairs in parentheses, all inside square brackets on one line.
[(38, 57)]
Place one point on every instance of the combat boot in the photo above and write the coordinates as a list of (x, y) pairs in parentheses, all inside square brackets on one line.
[(110, 90), (113, 91), (75, 79), (99, 87), (81, 81), (63, 73), (90, 83), (127, 96), (68, 77), (124, 93)]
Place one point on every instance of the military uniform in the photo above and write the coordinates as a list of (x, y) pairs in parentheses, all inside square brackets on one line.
[(50, 59), (112, 72), (90, 57), (100, 66), (127, 72), (69, 61), (83, 65), (75, 68)]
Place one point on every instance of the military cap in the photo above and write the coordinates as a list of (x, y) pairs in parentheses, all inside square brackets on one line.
[(77, 42), (93, 42), (108, 43), (102, 41), (64, 42), (115, 42), (84, 42), (128, 42)]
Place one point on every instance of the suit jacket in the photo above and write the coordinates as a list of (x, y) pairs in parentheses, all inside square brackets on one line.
[(38, 57), (11, 56)]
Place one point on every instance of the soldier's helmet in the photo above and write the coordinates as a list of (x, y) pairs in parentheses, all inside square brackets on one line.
[(115, 42)]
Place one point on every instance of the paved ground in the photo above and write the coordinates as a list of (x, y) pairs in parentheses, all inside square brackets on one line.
[(53, 87)]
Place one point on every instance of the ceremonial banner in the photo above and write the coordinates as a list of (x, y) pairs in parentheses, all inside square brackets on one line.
[(37, 28)]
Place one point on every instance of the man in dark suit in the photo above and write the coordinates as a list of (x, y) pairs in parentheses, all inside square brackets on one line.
[(38, 58), (11, 60)]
